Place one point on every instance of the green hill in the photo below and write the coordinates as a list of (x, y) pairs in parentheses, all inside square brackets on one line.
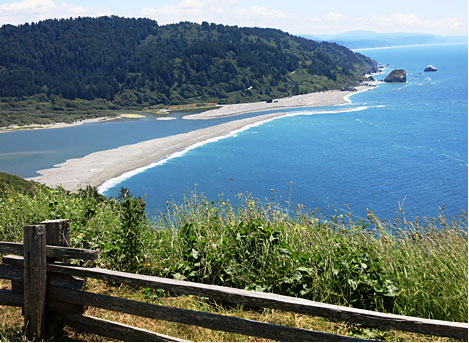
[(113, 62), (18, 185)]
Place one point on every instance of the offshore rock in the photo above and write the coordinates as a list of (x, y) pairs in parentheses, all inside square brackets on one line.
[(430, 68), (398, 75)]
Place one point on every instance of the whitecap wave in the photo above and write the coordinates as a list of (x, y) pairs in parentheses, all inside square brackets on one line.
[(117, 180)]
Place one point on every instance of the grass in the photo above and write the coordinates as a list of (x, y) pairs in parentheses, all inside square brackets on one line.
[(11, 326), (167, 109), (41, 110), (38, 111), (29, 127), (131, 116), (415, 267)]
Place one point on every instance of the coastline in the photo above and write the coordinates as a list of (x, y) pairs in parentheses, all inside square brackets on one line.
[(317, 99), (108, 167), (63, 125), (403, 46), (98, 167)]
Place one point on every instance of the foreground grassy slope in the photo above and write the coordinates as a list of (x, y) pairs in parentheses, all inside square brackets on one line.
[(412, 267)]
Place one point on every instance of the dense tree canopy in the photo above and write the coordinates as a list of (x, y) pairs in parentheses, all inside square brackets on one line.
[(137, 62)]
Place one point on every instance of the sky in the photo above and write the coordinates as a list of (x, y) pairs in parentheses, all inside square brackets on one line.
[(447, 17)]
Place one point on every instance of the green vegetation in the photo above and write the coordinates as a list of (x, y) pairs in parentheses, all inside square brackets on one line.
[(12, 320), (398, 75), (78, 68), (40, 109), (16, 184), (416, 268)]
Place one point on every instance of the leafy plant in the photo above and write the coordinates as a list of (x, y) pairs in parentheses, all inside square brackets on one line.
[(412, 267)]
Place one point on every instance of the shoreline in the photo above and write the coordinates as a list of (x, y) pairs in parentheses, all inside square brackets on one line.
[(31, 127), (404, 46), (317, 99), (98, 167), (106, 168), (264, 119), (62, 125)]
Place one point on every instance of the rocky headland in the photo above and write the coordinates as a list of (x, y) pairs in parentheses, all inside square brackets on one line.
[(398, 75)]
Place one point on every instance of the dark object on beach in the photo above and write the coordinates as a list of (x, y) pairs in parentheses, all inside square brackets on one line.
[(348, 89), (430, 68), (398, 75), (371, 78)]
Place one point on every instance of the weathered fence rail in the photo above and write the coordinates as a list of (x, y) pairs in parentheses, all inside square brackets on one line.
[(52, 251), (50, 293)]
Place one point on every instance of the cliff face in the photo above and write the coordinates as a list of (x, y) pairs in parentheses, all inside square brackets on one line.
[(398, 75)]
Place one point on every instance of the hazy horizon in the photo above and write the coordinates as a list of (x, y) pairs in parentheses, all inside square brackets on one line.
[(295, 17)]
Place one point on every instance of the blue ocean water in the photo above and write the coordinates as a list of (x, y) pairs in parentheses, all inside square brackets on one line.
[(408, 148), (23, 153)]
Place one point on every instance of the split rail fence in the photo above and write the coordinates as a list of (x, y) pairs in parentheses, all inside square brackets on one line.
[(49, 290)]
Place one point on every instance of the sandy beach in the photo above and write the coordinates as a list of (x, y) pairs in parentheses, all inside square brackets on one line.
[(98, 167), (52, 126), (62, 125), (328, 98)]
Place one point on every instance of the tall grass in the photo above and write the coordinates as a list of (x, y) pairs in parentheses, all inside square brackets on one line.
[(118, 228), (410, 267), (416, 268)]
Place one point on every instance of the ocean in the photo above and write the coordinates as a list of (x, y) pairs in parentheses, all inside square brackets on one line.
[(406, 148), (25, 152), (400, 145)]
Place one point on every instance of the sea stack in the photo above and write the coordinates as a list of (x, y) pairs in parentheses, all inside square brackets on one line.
[(430, 68), (398, 75)]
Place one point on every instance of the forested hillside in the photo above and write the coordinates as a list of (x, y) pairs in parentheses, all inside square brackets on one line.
[(137, 63)]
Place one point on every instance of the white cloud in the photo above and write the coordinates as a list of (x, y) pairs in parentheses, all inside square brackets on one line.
[(20, 12), (334, 22), (241, 13), (228, 12), (190, 4), (233, 12), (335, 17), (412, 22), (264, 12)]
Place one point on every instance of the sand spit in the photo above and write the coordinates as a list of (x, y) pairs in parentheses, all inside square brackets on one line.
[(98, 167), (317, 99), (101, 166), (54, 125), (75, 123)]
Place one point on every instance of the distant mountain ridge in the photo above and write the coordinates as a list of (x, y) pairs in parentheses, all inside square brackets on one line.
[(136, 62), (369, 39)]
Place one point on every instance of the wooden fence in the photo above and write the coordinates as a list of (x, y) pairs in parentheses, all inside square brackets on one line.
[(49, 289)]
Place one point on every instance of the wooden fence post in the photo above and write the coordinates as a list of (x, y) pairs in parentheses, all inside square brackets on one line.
[(35, 280), (58, 233)]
